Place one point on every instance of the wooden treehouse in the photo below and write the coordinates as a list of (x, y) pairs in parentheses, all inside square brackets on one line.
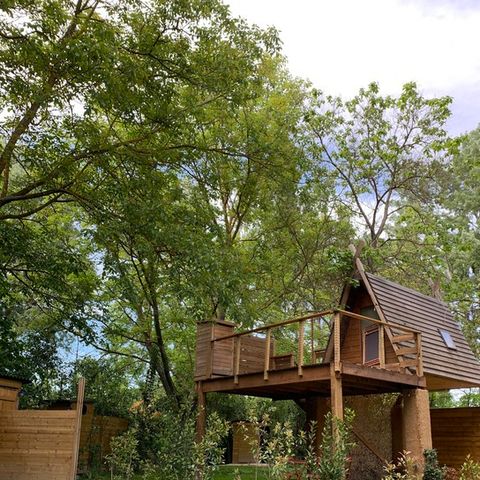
[(383, 338)]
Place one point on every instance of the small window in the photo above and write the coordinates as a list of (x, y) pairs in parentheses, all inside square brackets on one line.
[(371, 346), (447, 338)]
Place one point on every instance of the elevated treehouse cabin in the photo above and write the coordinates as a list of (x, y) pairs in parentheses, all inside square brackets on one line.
[(383, 338)]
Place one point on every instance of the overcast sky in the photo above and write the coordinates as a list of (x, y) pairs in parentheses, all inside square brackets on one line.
[(342, 45)]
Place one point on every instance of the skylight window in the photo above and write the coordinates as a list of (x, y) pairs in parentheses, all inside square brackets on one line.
[(447, 338)]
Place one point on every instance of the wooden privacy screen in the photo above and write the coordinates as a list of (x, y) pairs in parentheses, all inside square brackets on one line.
[(96, 434), (40, 444), (456, 434)]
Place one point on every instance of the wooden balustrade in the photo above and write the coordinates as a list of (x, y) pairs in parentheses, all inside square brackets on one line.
[(410, 356)]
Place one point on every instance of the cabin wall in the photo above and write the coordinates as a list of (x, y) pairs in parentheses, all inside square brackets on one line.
[(352, 345)]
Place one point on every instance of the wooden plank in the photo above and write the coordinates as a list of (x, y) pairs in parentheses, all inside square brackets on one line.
[(403, 338), (407, 351)]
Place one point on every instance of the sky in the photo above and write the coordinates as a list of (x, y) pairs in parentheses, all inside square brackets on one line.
[(343, 45)]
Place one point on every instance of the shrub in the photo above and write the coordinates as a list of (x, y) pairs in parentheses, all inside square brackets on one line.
[(450, 474), (335, 447), (404, 469), (432, 468), (470, 469), (124, 456)]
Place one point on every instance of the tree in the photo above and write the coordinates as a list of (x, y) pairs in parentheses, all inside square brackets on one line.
[(82, 80), (384, 152)]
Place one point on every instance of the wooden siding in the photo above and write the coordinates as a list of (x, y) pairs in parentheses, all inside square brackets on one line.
[(36, 444), (456, 434), (222, 361), (427, 314), (352, 338), (9, 391), (252, 354)]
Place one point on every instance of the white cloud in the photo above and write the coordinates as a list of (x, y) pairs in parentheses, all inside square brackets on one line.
[(342, 45)]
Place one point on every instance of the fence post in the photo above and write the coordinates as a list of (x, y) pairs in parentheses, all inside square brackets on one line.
[(78, 427)]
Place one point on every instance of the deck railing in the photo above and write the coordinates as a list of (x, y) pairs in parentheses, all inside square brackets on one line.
[(406, 342)]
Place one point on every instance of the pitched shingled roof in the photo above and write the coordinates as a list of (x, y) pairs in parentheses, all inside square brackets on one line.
[(458, 367)]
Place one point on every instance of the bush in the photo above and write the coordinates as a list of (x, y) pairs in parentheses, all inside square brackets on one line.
[(470, 469), (335, 447), (432, 468), (124, 455), (404, 469)]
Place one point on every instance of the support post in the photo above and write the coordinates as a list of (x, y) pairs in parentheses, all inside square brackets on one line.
[(201, 424), (336, 392), (417, 434), (78, 427)]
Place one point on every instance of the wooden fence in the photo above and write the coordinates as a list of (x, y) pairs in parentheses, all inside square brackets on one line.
[(40, 444), (456, 434)]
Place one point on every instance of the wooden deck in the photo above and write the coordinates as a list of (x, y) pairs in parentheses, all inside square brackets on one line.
[(314, 381)]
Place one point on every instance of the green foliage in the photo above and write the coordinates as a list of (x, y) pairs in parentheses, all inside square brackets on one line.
[(107, 383), (432, 470), (336, 446), (442, 400), (470, 469), (405, 468), (123, 457)]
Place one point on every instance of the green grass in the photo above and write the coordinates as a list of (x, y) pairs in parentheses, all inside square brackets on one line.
[(225, 472)]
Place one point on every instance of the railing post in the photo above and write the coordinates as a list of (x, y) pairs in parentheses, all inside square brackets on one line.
[(336, 341), (381, 345), (301, 331), (236, 368), (266, 366), (312, 340), (418, 338)]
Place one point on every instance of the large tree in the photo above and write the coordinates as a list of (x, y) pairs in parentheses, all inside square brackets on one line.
[(386, 153)]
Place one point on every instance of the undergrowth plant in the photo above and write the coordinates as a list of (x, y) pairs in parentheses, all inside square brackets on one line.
[(405, 468), (470, 469), (124, 455), (280, 443), (432, 470)]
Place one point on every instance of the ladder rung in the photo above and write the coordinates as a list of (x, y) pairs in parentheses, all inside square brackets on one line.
[(409, 363), (403, 338), (406, 350)]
